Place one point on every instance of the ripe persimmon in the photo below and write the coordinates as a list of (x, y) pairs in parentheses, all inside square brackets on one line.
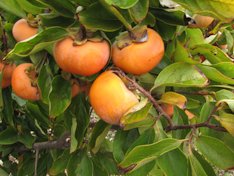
[(7, 70), (22, 30), (86, 59), (24, 82), (110, 98), (139, 58)]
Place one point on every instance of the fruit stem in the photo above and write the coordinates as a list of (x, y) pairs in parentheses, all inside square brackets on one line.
[(117, 14)]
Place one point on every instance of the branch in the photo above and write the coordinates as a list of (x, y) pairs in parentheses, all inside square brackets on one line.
[(198, 125), (61, 143), (147, 94)]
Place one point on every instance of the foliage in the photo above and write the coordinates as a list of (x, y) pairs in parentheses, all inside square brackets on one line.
[(197, 64)]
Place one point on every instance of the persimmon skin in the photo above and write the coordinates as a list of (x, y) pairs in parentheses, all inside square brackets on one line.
[(110, 98), (139, 58), (85, 60), (22, 30), (22, 83), (202, 21), (7, 70)]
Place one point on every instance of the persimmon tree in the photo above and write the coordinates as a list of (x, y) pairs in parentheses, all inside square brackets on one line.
[(116, 87)]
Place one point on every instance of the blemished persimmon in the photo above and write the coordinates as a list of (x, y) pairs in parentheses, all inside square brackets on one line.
[(110, 98), (139, 58), (86, 59), (7, 70), (23, 82), (22, 30)]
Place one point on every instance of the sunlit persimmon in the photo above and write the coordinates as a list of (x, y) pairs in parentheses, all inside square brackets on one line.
[(139, 58), (22, 30), (24, 82), (6, 70), (86, 59), (110, 98)]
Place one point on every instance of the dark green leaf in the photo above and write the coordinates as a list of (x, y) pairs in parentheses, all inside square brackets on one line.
[(86, 166), (8, 136), (215, 151), (96, 17), (196, 167), (98, 135), (60, 96), (139, 11), (28, 7), (168, 164), (145, 153)]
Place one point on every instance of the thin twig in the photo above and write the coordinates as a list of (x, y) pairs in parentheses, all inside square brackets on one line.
[(36, 162)]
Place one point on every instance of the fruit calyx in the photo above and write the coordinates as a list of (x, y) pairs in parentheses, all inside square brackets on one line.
[(32, 21), (137, 35), (83, 35)]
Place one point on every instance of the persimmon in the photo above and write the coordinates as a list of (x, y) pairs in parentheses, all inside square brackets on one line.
[(110, 98), (78, 88), (24, 82), (22, 30), (7, 70), (139, 58), (202, 21), (86, 59)]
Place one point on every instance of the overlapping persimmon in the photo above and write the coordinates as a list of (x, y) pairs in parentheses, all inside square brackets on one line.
[(22, 30), (139, 58), (171, 99), (86, 59), (78, 88), (110, 98), (24, 82), (7, 70)]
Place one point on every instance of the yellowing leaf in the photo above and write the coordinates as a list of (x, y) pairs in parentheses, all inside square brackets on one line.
[(227, 121), (173, 98)]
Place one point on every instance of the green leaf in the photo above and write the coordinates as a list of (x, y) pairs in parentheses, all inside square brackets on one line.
[(145, 153), (225, 96), (122, 3), (98, 135), (8, 111), (59, 165), (12, 6), (29, 7), (74, 142), (212, 53), (123, 140), (180, 75), (168, 164), (194, 37), (60, 96), (38, 42), (227, 121), (215, 75), (64, 8), (196, 167), (3, 172), (96, 17), (215, 151), (217, 8), (206, 166), (138, 117), (86, 166), (147, 137), (139, 11), (8, 136), (170, 17), (143, 170), (44, 83), (226, 68)]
